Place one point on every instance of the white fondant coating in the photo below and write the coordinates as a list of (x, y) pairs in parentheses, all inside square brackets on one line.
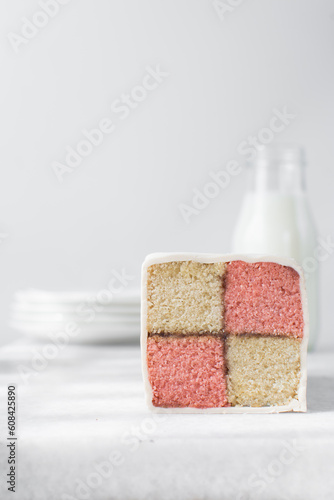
[(298, 404)]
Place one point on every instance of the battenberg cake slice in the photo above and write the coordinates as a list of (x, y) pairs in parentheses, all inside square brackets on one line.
[(223, 333)]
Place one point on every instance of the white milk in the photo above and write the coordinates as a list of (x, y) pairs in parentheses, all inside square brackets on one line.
[(278, 222), (268, 224)]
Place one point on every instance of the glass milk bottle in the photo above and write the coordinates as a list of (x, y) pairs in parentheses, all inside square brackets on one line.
[(275, 217)]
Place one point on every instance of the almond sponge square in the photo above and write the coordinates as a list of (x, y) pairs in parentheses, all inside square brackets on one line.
[(262, 370), (185, 297), (187, 371)]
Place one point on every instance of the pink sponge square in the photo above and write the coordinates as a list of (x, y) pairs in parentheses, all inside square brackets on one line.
[(187, 371), (263, 298)]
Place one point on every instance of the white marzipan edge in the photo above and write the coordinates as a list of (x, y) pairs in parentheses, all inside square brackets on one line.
[(298, 404)]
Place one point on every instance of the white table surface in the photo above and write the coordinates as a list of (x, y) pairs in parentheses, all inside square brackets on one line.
[(84, 432)]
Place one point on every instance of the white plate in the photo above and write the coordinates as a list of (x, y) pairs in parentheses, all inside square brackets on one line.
[(98, 297), (90, 317), (36, 307), (89, 326), (86, 333)]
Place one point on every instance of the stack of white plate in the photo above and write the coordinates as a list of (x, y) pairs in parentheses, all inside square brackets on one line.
[(84, 317)]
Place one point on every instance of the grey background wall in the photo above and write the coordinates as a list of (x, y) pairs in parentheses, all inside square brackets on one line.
[(226, 75)]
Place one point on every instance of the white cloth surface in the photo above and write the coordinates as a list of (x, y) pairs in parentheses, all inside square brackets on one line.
[(84, 432)]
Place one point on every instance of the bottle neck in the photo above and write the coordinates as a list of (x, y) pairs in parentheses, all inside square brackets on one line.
[(278, 168), (279, 179)]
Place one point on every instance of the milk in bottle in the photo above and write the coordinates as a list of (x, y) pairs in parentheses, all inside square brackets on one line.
[(275, 217)]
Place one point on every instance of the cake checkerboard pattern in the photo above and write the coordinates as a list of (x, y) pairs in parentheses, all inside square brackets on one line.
[(223, 333)]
